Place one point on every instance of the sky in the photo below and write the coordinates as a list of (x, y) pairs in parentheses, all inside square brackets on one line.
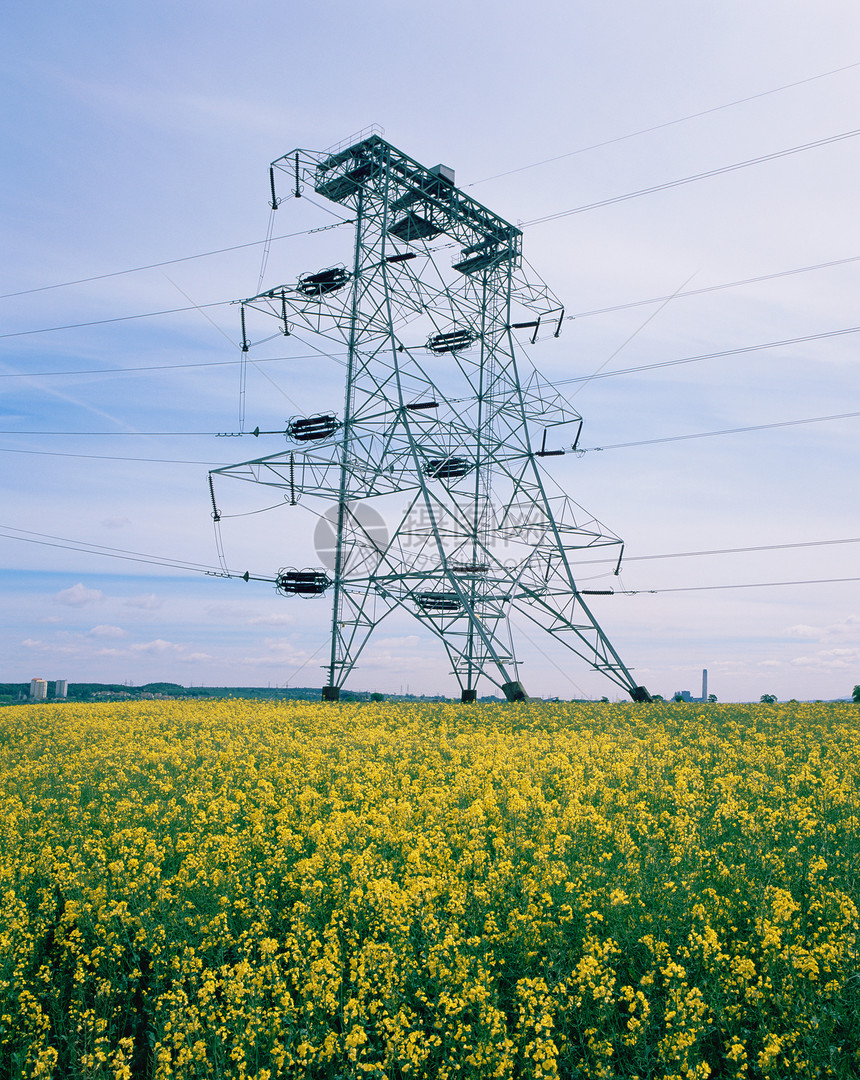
[(137, 139)]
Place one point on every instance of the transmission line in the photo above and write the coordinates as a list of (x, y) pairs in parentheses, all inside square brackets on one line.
[(725, 431), (556, 382), (725, 551), (691, 179), (486, 179), (148, 367), (115, 319), (536, 221), (109, 457), (48, 540), (746, 585), (665, 124), (237, 435), (568, 318), (130, 434), (713, 288), (706, 356), (169, 262)]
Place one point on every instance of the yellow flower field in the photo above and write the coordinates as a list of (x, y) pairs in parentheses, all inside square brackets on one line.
[(237, 889)]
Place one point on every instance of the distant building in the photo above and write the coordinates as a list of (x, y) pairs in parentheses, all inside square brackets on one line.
[(686, 695), (38, 689), (61, 688)]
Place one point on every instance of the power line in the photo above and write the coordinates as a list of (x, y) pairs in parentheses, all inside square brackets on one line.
[(745, 550), (527, 224), (630, 337), (169, 262), (112, 457), (556, 382), (521, 168), (706, 356), (131, 434), (149, 367), (665, 124), (116, 319), (713, 288), (49, 540), (580, 450), (578, 315), (725, 551), (98, 548), (747, 585), (725, 431), (236, 435), (692, 179)]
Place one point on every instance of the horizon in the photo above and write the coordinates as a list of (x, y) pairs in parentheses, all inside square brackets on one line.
[(666, 699)]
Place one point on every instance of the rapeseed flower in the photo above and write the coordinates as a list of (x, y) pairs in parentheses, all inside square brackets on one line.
[(257, 891)]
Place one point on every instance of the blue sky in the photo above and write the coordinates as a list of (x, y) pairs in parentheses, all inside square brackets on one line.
[(137, 134)]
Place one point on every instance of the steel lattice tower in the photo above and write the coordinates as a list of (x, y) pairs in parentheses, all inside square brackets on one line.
[(436, 414)]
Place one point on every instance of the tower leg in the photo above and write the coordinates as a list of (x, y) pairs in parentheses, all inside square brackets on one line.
[(514, 691)]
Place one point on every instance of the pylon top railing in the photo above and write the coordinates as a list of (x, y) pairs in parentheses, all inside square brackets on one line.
[(425, 201)]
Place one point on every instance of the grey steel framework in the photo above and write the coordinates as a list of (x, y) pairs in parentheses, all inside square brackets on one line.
[(438, 431)]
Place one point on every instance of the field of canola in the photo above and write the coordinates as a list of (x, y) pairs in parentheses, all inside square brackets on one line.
[(236, 889)]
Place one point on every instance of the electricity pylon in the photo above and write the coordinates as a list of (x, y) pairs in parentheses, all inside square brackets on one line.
[(435, 414)]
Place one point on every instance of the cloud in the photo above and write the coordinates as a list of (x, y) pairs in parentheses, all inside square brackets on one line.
[(280, 651), (144, 603), (105, 630), (227, 611), (271, 620), (849, 625), (53, 648), (116, 522), (78, 596), (830, 660), (159, 645), (400, 655), (404, 641), (248, 616)]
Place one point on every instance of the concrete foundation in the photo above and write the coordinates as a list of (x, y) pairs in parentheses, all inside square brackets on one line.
[(514, 691)]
